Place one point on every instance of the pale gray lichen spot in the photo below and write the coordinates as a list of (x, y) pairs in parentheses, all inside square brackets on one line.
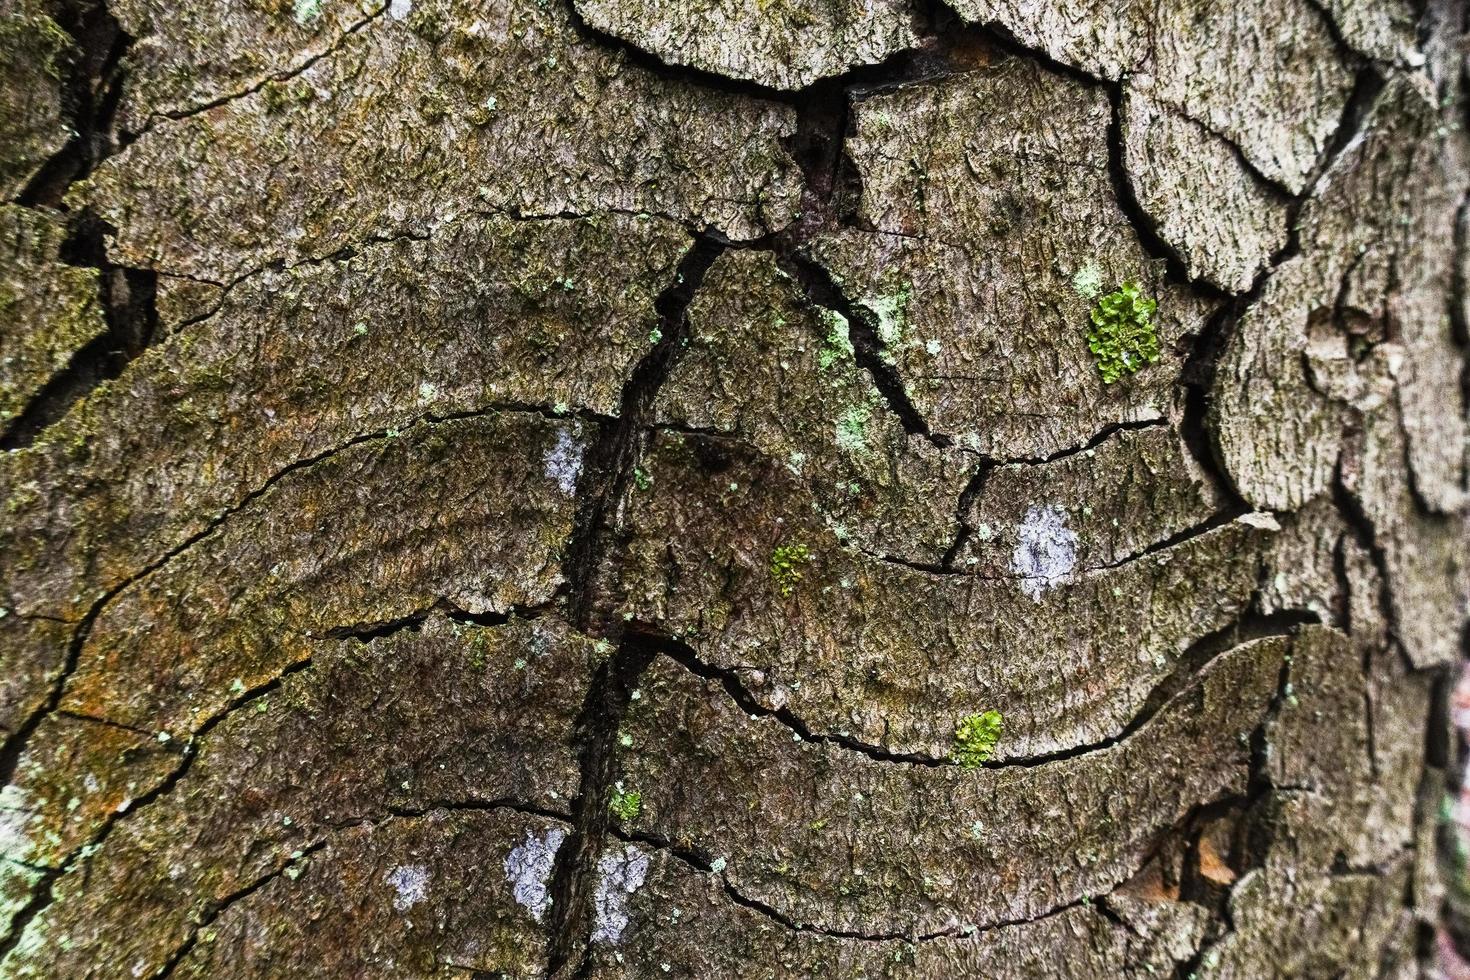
[(399, 9), (564, 462), (891, 311), (306, 11), (1088, 281), (621, 874), (1046, 550), (528, 869), (411, 882), (15, 819), (852, 430)]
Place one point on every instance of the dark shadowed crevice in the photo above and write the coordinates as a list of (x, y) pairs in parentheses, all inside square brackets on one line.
[(92, 83), (573, 878), (1365, 533), (413, 621), (42, 895), (591, 557), (474, 806), (1349, 55), (1368, 84), (1212, 523), (1460, 306), (1145, 226), (608, 464), (91, 89), (127, 297), (964, 506), (1205, 349)]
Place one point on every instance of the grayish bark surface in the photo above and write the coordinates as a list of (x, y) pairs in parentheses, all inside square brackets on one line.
[(608, 488)]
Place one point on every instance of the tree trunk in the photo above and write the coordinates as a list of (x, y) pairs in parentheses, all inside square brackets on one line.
[(723, 489)]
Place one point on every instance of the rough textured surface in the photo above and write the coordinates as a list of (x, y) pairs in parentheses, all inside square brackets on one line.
[(508, 696), (225, 405), (844, 842), (411, 123), (33, 124), (1224, 223), (591, 489), (1266, 77), (893, 656), (787, 44), (989, 200), (49, 311), (772, 369)]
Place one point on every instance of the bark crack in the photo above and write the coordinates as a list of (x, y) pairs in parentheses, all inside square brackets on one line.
[(219, 907), (1247, 627), (597, 534), (702, 862), (91, 86), (285, 74)]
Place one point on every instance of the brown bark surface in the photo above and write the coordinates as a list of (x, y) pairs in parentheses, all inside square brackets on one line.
[(619, 488)]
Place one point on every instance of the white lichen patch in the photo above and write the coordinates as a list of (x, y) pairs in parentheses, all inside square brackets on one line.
[(400, 9), (621, 874), (1088, 281), (528, 869), (411, 884), (1046, 550), (891, 311), (15, 818), (306, 11), (1261, 520), (564, 462)]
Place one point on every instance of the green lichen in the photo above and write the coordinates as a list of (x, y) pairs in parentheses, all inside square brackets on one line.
[(625, 804), (975, 737), (641, 479), (478, 649), (837, 345), (786, 562), (1122, 337)]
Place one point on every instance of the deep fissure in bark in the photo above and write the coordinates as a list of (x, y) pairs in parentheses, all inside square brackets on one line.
[(127, 300), (607, 474), (608, 463), (818, 146), (92, 83), (92, 87), (573, 878)]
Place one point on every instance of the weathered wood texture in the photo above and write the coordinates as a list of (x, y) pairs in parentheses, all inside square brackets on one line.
[(540, 488)]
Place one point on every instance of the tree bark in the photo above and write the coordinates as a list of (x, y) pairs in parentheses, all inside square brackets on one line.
[(819, 488)]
